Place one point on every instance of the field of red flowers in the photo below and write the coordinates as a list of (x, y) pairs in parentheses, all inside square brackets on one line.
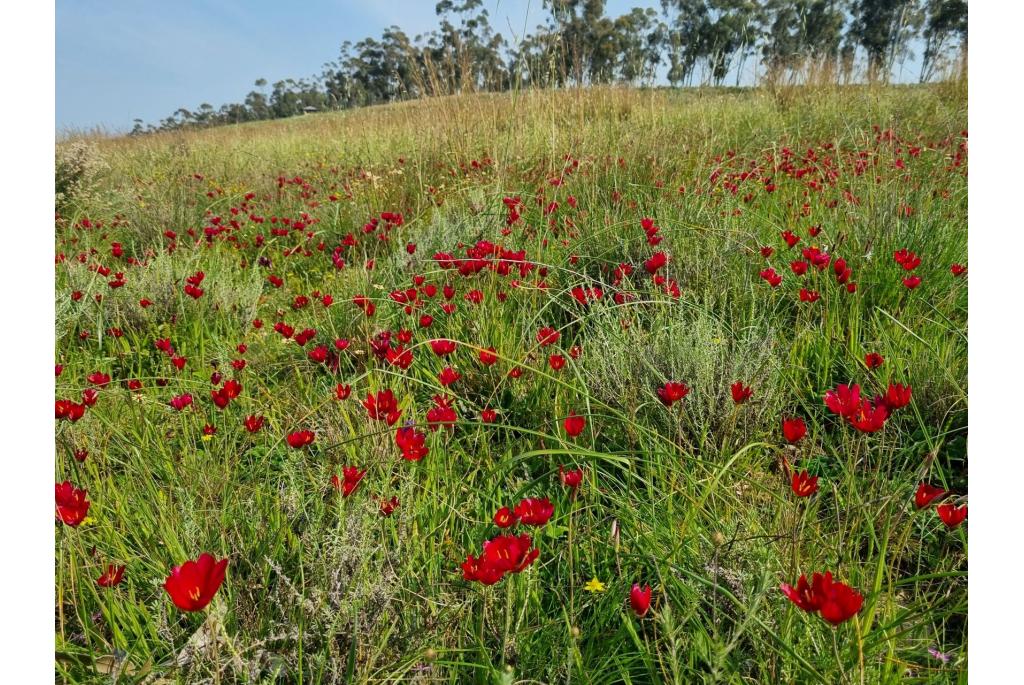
[(605, 386)]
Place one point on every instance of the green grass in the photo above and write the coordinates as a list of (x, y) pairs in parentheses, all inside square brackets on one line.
[(689, 499)]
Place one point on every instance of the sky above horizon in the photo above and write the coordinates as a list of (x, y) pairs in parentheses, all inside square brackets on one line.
[(120, 60)]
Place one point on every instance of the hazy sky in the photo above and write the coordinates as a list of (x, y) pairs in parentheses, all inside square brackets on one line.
[(118, 60)]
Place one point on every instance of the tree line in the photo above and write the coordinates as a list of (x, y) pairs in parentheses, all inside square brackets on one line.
[(690, 42)]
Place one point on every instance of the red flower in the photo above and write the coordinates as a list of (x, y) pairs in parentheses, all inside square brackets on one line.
[(488, 356), (441, 414), (790, 238), (897, 396), (793, 429), (951, 514), (771, 277), (740, 393), (873, 360), (411, 442), (547, 336), (534, 512), (488, 415), (383, 406), (869, 417), (193, 584), (798, 267), (570, 479), (958, 269), (640, 599), (351, 476), (574, 425), (672, 392), (844, 400), (504, 518), (926, 494), (111, 577), (804, 485), (912, 282), (657, 260), (442, 348), (502, 554), (181, 401), (836, 602), (342, 391), (809, 295), (448, 376), (72, 503), (556, 362), (387, 507), (253, 423), (300, 439)]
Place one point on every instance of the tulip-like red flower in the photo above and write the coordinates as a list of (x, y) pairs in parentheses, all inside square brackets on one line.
[(803, 484), (951, 514), (793, 429), (504, 518), (570, 479), (640, 599), (192, 585), (72, 504), (448, 376), (181, 401), (383, 406), (488, 356), (349, 481), (442, 348), (873, 360), (672, 392), (926, 494), (574, 425), (253, 423), (834, 601), (112, 576), (547, 336), (502, 554), (412, 443), (533, 511), (897, 396), (740, 393), (300, 439), (773, 279)]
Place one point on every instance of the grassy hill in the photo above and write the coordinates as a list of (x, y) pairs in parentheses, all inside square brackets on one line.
[(337, 249)]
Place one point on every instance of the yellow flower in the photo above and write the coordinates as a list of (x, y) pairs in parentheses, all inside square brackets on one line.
[(594, 585)]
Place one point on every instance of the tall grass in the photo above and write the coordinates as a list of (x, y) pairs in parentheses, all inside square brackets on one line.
[(689, 499)]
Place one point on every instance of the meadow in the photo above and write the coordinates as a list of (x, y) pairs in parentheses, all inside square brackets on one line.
[(540, 387)]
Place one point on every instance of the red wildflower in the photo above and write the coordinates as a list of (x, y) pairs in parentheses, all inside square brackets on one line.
[(740, 393), (112, 576), (672, 392), (951, 514), (834, 601), (547, 336), (873, 360), (300, 439), (897, 396), (181, 401), (442, 348), (72, 504), (570, 479), (926, 494), (488, 356), (412, 443), (253, 423), (793, 429), (640, 599), (192, 585), (534, 512), (383, 406), (574, 425), (803, 484), (504, 518)]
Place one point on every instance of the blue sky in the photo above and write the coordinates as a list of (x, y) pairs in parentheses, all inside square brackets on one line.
[(117, 60), (121, 59)]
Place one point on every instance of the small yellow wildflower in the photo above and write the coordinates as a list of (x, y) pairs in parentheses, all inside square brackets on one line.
[(594, 585)]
